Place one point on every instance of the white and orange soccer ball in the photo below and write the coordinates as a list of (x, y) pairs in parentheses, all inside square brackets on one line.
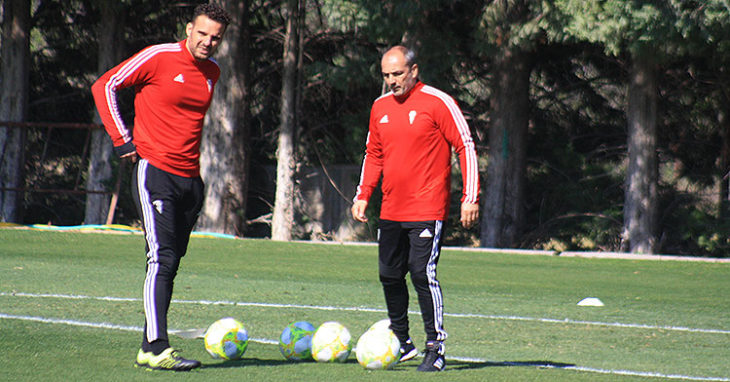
[(378, 348), (383, 324), (331, 342)]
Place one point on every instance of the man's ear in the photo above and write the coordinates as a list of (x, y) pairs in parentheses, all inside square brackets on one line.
[(188, 29)]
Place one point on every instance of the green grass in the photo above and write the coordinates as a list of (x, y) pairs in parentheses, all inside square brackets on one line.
[(506, 314)]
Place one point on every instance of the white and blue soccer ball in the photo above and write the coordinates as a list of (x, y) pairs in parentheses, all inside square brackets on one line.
[(331, 342), (226, 339), (295, 342), (378, 348)]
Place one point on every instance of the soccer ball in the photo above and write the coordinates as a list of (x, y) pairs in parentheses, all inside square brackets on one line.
[(331, 342), (226, 339), (383, 324), (378, 349), (295, 342)]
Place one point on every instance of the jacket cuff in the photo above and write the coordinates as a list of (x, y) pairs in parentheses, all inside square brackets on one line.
[(125, 149)]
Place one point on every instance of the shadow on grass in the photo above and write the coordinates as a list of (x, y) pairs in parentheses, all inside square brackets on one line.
[(258, 362), (246, 362), (450, 364), (466, 365)]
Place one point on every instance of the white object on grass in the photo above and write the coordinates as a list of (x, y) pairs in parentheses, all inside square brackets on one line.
[(590, 301)]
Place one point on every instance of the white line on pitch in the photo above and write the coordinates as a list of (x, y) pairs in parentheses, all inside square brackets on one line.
[(104, 325), (374, 310)]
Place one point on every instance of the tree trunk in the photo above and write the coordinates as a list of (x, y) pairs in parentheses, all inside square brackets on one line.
[(640, 205), (101, 153), (723, 121), (283, 217), (510, 103), (14, 74), (225, 155)]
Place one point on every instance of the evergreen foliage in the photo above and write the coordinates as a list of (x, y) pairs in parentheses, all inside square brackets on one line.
[(576, 153)]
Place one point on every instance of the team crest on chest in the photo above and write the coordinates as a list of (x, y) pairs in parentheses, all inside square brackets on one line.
[(411, 116)]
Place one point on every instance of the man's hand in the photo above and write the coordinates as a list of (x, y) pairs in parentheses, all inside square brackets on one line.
[(469, 214), (358, 211), (131, 156)]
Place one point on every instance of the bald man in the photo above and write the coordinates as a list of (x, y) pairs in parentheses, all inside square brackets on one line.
[(412, 130)]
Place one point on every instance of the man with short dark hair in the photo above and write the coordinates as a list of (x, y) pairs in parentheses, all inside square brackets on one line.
[(174, 86), (411, 133)]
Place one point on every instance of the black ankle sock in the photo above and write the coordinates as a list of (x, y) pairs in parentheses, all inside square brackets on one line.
[(159, 346)]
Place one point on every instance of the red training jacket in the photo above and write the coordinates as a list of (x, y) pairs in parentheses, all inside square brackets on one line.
[(172, 94), (409, 145)]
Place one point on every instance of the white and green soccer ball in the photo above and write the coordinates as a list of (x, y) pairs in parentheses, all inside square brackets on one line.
[(377, 349), (331, 342), (226, 339)]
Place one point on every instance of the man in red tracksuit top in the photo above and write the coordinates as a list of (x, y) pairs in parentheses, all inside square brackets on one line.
[(173, 89), (412, 131)]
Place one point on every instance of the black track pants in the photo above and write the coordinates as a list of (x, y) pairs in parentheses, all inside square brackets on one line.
[(412, 247), (168, 205)]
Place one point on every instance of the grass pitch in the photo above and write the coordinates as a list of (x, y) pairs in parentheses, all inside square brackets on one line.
[(70, 309)]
